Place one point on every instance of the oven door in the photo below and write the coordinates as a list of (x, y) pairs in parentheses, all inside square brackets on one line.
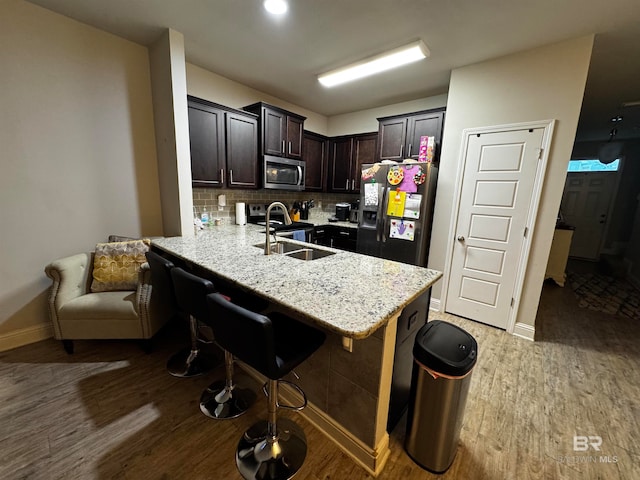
[(283, 173)]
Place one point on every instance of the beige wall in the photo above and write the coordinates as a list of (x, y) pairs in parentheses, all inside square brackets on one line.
[(215, 88), (169, 87), (544, 83), (77, 151), (366, 121)]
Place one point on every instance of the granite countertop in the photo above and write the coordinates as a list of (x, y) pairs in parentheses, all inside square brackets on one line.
[(347, 293), (322, 218)]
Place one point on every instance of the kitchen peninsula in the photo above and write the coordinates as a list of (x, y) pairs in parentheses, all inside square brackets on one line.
[(356, 299)]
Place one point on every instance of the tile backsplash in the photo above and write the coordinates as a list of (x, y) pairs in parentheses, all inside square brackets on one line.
[(208, 198)]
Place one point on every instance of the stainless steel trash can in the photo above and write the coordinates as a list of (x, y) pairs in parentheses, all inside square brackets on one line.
[(444, 356)]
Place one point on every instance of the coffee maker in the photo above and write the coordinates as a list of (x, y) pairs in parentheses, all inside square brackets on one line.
[(342, 211)]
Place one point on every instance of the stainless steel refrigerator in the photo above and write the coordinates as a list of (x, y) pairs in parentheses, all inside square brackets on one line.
[(396, 211)]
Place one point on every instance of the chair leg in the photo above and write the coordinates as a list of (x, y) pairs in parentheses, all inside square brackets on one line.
[(68, 346), (272, 449), (222, 400), (190, 362)]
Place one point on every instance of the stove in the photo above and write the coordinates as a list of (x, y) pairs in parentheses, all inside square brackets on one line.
[(257, 214)]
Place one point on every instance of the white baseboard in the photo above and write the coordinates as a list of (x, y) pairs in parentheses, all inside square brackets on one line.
[(434, 304), (25, 336), (371, 459), (525, 331)]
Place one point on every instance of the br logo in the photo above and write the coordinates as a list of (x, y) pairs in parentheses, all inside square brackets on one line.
[(582, 443)]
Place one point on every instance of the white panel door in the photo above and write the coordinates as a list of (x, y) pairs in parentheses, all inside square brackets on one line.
[(497, 187), (585, 203)]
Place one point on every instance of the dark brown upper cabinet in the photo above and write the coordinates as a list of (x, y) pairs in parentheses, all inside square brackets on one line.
[(399, 135), (347, 155), (224, 145), (315, 153), (280, 130), (242, 151)]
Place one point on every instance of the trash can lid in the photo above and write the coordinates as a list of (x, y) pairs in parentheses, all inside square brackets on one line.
[(445, 348)]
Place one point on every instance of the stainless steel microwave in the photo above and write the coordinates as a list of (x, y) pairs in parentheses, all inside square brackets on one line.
[(283, 173)]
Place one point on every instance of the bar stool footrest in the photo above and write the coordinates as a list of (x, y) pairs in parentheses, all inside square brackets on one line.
[(297, 408)]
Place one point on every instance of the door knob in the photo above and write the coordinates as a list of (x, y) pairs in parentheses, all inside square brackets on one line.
[(460, 238)]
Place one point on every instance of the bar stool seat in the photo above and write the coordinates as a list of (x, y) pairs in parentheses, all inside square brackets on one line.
[(274, 345), (223, 399), (190, 361)]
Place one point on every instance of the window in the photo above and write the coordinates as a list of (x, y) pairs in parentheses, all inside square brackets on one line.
[(592, 166)]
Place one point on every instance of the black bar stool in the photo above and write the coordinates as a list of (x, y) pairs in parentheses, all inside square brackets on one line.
[(189, 361), (223, 399), (274, 345)]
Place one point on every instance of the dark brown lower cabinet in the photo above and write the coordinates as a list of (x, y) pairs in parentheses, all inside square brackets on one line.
[(336, 236)]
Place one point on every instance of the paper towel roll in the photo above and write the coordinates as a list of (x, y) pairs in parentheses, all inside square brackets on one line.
[(241, 214)]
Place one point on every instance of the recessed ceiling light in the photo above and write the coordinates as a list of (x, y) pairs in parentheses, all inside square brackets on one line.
[(380, 63), (276, 7)]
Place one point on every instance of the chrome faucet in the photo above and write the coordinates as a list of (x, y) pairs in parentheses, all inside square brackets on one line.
[(287, 221)]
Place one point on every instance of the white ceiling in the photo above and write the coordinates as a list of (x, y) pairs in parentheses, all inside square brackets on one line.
[(282, 56)]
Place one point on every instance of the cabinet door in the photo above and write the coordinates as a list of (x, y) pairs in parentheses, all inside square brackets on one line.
[(206, 139), (274, 125), (315, 156), (344, 238), (340, 164), (242, 151), (422, 125), (294, 137), (364, 151), (391, 135)]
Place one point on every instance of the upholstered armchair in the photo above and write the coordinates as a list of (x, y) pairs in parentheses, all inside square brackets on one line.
[(78, 313)]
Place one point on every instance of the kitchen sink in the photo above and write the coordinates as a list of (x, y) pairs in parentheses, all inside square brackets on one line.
[(296, 251), (309, 254)]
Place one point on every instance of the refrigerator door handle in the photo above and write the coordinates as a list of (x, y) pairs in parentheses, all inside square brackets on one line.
[(379, 214), (383, 216)]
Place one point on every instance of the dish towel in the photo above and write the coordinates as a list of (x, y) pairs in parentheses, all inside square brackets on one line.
[(299, 235)]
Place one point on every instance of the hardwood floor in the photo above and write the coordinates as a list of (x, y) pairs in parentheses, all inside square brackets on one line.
[(111, 411)]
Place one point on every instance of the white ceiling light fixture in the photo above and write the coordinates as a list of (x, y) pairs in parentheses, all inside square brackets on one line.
[(276, 7), (386, 61), (635, 103)]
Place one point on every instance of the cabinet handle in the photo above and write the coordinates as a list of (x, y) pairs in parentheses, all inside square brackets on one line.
[(282, 146), (289, 148), (344, 233), (401, 148), (409, 153), (230, 177), (222, 175), (347, 185), (353, 184)]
